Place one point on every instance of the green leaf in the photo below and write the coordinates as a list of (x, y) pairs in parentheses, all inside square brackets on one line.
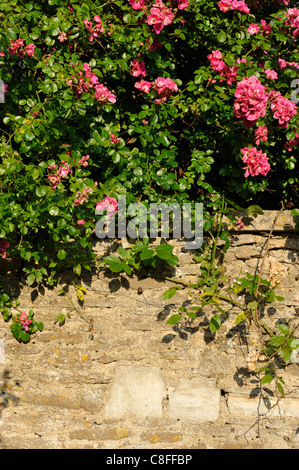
[(40, 325), (29, 135), (267, 379), (164, 251), (114, 263), (252, 305), (173, 260), (35, 173), (38, 276), (123, 252), (277, 340), (221, 37), (67, 104), (224, 235), (280, 389), (127, 268), (77, 269), (174, 319), (41, 191), (191, 315), (127, 18), (61, 254), (170, 293), (282, 328), (147, 254), (54, 210), (255, 210), (215, 323), (30, 279), (25, 336), (286, 353)]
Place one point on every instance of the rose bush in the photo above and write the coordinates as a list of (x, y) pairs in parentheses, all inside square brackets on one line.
[(173, 101)]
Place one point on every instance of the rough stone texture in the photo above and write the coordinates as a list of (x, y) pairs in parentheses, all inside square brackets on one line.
[(135, 391), (134, 381), (195, 401)]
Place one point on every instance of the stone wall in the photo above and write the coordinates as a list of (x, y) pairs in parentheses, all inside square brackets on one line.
[(122, 378)]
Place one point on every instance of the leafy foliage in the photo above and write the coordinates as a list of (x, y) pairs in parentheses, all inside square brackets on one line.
[(70, 73), (102, 99)]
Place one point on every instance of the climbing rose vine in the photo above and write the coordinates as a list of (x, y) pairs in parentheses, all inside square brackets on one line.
[(159, 100)]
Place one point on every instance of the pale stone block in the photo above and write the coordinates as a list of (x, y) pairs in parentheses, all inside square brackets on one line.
[(247, 406), (195, 400), (135, 390)]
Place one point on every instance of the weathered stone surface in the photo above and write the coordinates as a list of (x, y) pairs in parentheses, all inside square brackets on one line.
[(2, 352), (135, 390), (264, 222), (118, 376), (257, 405), (195, 400)]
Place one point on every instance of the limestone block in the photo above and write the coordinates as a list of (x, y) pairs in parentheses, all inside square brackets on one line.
[(242, 239), (135, 390), (195, 400), (247, 252), (214, 363), (247, 406)]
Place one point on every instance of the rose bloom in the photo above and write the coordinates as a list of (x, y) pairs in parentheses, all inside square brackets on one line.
[(266, 28), (114, 140), (261, 134), (103, 94), (109, 204), (240, 225), (143, 85), (253, 29), (137, 4), (183, 4), (256, 162), (138, 68), (216, 61), (160, 16), (271, 74), (30, 49), (282, 64), (251, 100), (283, 108)]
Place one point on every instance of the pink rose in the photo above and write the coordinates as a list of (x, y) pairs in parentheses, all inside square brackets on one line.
[(253, 29), (271, 74), (109, 204), (30, 49), (138, 68), (256, 162), (143, 85)]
